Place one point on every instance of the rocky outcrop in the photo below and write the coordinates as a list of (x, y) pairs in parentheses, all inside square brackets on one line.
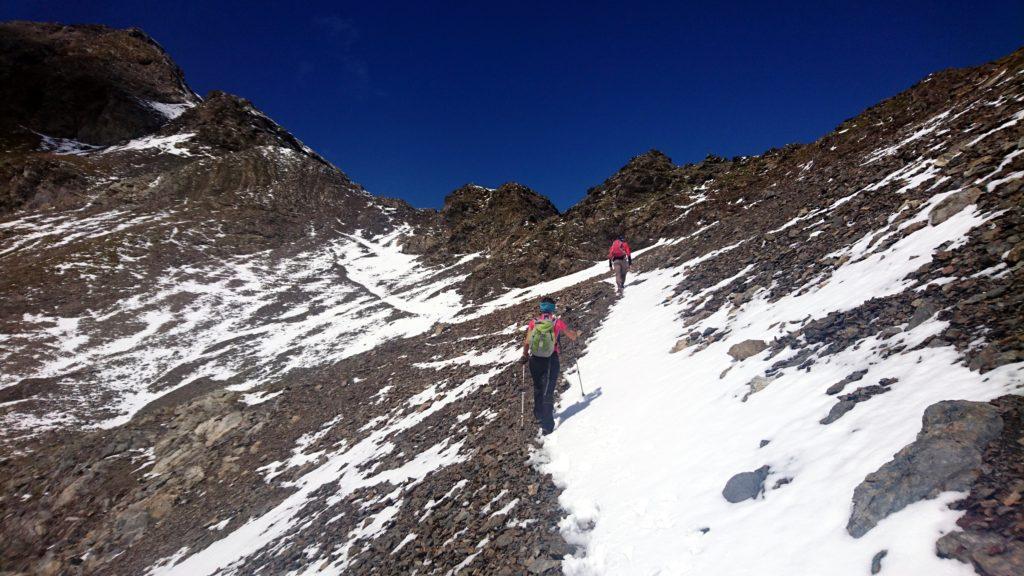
[(475, 218), (92, 84), (227, 123), (947, 455)]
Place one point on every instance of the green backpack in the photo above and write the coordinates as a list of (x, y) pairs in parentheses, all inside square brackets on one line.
[(542, 338)]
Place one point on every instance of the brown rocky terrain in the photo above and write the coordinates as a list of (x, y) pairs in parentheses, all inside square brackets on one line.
[(220, 353)]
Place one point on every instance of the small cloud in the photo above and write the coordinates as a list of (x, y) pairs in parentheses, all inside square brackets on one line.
[(339, 30), (352, 71)]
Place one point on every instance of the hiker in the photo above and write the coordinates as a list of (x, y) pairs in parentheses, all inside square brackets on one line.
[(541, 351), (620, 258)]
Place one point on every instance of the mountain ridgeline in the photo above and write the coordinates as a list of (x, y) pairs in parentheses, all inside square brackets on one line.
[(223, 356)]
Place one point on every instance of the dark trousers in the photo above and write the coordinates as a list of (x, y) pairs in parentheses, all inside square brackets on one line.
[(545, 376)]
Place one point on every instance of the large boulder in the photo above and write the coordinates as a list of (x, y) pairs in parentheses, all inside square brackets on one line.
[(746, 485), (747, 348), (952, 204), (946, 455)]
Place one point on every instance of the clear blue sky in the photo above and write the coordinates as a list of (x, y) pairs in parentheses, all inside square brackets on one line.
[(413, 99)]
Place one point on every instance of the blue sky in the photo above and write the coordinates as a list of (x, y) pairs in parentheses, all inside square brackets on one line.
[(414, 99)]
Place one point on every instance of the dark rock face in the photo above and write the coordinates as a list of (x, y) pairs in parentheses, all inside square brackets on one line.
[(746, 485), (946, 456), (32, 182), (86, 83)]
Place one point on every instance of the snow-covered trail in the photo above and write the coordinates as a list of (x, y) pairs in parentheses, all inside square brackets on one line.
[(643, 460)]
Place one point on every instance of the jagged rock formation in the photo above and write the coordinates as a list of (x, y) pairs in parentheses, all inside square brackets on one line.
[(221, 354), (476, 218)]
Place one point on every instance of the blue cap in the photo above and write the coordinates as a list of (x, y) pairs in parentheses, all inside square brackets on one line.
[(547, 307)]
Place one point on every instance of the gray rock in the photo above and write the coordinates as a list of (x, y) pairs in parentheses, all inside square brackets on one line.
[(945, 456), (216, 427), (837, 411), (745, 485), (756, 384), (889, 332), (876, 561), (541, 565), (838, 386), (132, 524), (952, 204), (747, 348), (926, 310), (680, 345)]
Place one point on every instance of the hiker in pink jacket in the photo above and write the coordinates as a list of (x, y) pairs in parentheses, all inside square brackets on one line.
[(540, 350), (620, 258)]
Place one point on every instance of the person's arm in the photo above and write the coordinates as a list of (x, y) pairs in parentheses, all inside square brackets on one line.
[(629, 254), (526, 345), (564, 329)]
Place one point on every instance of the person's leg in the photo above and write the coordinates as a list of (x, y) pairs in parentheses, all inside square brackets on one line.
[(538, 371), (548, 416), (620, 274)]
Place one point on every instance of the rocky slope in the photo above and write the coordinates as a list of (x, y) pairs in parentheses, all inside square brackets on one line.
[(220, 355)]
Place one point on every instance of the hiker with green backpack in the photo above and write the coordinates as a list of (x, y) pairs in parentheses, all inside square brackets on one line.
[(540, 351)]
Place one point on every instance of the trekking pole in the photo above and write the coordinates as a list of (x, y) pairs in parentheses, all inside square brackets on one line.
[(522, 399), (576, 360)]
